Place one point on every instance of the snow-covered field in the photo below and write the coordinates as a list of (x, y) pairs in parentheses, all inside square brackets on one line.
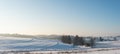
[(27, 44), (43, 45)]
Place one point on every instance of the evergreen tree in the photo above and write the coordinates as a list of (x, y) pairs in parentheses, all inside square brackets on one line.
[(69, 41), (66, 39), (115, 38), (63, 39), (76, 40), (92, 42), (101, 39), (81, 41)]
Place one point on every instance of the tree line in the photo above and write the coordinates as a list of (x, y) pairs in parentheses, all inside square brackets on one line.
[(76, 40)]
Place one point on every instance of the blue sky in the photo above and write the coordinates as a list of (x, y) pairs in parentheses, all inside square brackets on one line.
[(82, 17)]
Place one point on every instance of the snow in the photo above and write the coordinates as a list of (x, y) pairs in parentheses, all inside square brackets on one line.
[(103, 52), (27, 44), (45, 45), (14, 43), (108, 44)]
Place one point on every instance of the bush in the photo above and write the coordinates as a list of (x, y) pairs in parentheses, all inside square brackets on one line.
[(66, 39)]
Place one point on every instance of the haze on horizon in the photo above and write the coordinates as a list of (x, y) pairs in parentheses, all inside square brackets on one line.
[(82, 17)]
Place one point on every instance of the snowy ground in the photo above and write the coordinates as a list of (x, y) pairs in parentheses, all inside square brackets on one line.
[(27, 44), (108, 44), (42, 45), (95, 51)]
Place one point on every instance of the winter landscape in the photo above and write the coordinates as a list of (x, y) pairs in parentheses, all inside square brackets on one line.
[(59, 26), (16, 43)]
